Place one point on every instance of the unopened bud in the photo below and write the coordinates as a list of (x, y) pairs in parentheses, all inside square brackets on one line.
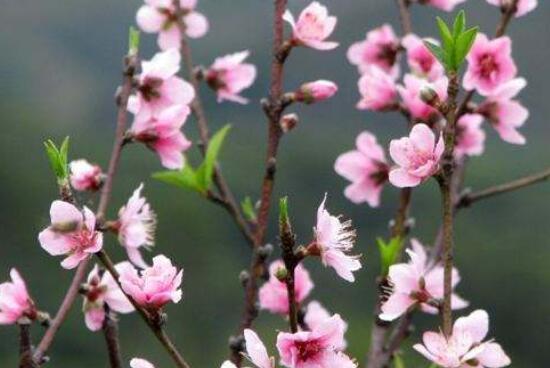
[(316, 91), (429, 96), (244, 276), (265, 250), (281, 274), (289, 122)]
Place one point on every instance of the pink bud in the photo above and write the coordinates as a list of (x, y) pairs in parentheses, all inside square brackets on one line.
[(316, 91)]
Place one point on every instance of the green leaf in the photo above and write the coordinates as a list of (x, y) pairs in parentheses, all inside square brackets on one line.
[(248, 209), (438, 52), (398, 361), (389, 252), (206, 170), (58, 158), (463, 45), (446, 36), (283, 210), (459, 24), (185, 178), (133, 41)]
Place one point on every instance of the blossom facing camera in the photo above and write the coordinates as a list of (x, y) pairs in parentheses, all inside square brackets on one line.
[(378, 90), (71, 233), (313, 27), (465, 347), (136, 227), (85, 176), (273, 295), (160, 16), (100, 290), (417, 157), (155, 286), (230, 75), (140, 363), (319, 90), (15, 302), (366, 168), (523, 6), (333, 239)]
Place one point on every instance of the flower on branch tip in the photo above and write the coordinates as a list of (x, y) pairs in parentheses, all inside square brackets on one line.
[(470, 138), (159, 87), (140, 363), (333, 239), (100, 291), (465, 347), (15, 302), (316, 91), (380, 48), (229, 75), (416, 283), (154, 286), (378, 90), (366, 168), (490, 64), (316, 315), (445, 5), (160, 16), (315, 348), (413, 94), (85, 176), (313, 27), (504, 113), (136, 227), (523, 6), (420, 59), (273, 295), (72, 233), (417, 157)]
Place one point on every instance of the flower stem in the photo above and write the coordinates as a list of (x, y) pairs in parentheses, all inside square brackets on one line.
[(110, 332)]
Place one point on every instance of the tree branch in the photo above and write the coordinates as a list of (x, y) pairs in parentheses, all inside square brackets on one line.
[(110, 332), (26, 359), (405, 16)]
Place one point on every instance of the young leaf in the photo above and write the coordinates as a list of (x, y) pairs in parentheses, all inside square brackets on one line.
[(206, 170), (133, 41), (459, 24), (389, 252), (446, 36), (438, 52), (248, 209), (283, 210), (185, 178), (58, 158), (464, 44), (398, 361)]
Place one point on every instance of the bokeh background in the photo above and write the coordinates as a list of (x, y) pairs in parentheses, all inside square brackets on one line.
[(59, 67)]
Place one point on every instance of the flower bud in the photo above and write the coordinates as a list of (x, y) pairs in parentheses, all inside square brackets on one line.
[(429, 96), (281, 274), (316, 91), (289, 122)]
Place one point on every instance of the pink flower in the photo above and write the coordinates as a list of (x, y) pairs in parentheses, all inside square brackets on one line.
[(333, 239), (415, 283), (411, 93), (446, 5), (378, 90), (159, 16), (315, 348), (162, 134), (380, 48), (229, 75), (313, 27), (255, 352), (85, 176), (71, 233), (159, 87), (316, 315), (417, 157), (273, 294), (140, 363), (154, 286), (523, 7), (464, 348), (101, 290), (420, 59), (319, 90), (490, 64), (470, 138), (504, 114), (366, 168), (15, 302), (136, 227)]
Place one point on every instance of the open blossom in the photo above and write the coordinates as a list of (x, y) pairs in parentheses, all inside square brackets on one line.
[(316, 315), (523, 6), (315, 348), (446, 5), (154, 286), (273, 294), (85, 176), (333, 239), (380, 48), (417, 157), (255, 352), (313, 27), (101, 290), (71, 233), (230, 75), (136, 227), (163, 135), (465, 347), (366, 168), (490, 64), (421, 61), (378, 90), (505, 114), (411, 93), (159, 87), (15, 302), (415, 283), (316, 91), (470, 138), (159, 16), (140, 363)]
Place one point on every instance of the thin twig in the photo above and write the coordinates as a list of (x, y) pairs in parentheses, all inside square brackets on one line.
[(25, 347), (110, 332), (405, 16)]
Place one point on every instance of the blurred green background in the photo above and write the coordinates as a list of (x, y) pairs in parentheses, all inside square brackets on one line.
[(59, 67)]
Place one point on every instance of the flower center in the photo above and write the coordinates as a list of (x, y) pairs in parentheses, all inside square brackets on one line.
[(307, 349), (387, 54), (487, 66), (150, 88)]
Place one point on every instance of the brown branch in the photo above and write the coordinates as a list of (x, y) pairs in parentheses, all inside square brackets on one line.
[(110, 332), (405, 16), (25, 347)]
